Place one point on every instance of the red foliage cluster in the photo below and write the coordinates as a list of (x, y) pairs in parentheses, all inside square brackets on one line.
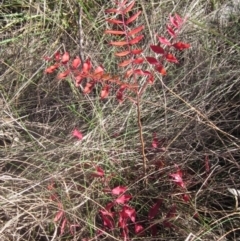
[(123, 19)]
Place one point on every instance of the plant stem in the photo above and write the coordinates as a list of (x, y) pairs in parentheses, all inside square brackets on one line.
[(141, 139)]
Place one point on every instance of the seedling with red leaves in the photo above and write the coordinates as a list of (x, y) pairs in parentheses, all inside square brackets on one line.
[(129, 86)]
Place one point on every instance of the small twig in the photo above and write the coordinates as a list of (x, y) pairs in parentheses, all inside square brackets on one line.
[(80, 34)]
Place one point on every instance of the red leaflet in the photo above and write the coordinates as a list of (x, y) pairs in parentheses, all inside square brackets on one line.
[(171, 58), (154, 230), (163, 40), (157, 49), (107, 222), (154, 209), (173, 21), (160, 69), (121, 54), (119, 43), (123, 199), (128, 212), (186, 198), (125, 63), (171, 31), (99, 172), (138, 60), (78, 80), (177, 178), (152, 60), (116, 32), (134, 17), (64, 74), (99, 70), (65, 58), (155, 141), (51, 69), (87, 66), (115, 21), (58, 215), (129, 8), (170, 215), (76, 62), (76, 133), (145, 73), (119, 96), (181, 45), (105, 92), (138, 228), (112, 10), (207, 166), (136, 51), (129, 73), (136, 30), (119, 190), (64, 222), (73, 228), (89, 87), (179, 20), (136, 39), (57, 56), (47, 58)]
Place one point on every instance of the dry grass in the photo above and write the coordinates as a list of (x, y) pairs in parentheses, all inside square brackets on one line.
[(195, 108)]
